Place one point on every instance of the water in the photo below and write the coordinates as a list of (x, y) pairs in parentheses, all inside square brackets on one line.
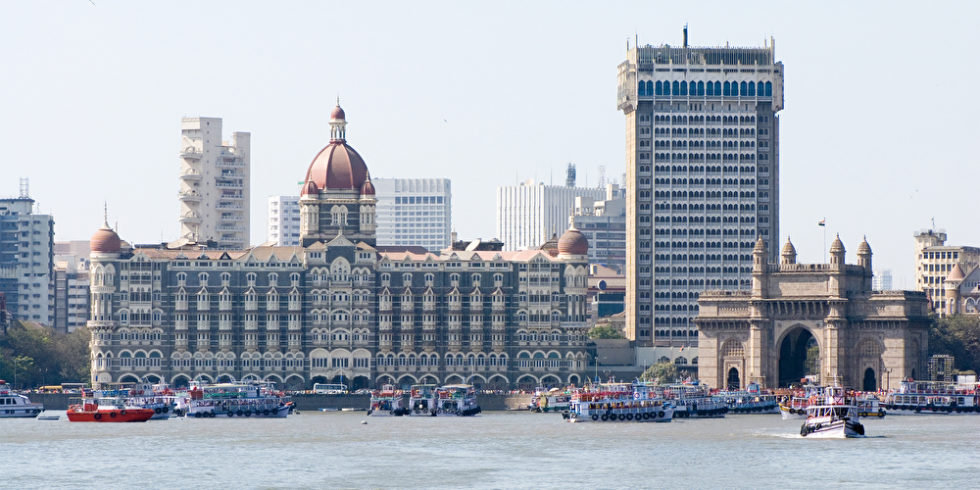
[(496, 449)]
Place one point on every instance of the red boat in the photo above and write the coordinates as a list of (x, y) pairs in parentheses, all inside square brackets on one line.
[(90, 410)]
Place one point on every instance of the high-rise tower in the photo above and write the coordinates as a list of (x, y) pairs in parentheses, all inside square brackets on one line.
[(702, 178)]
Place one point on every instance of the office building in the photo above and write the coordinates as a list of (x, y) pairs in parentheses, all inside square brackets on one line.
[(531, 213), (26, 258), (603, 222), (414, 212), (214, 184), (702, 178), (934, 263), (283, 228)]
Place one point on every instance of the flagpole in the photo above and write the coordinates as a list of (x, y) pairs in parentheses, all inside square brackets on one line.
[(823, 224)]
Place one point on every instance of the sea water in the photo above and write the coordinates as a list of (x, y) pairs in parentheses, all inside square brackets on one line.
[(494, 449)]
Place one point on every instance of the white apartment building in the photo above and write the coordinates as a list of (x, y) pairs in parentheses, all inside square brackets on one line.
[(531, 213), (702, 178), (26, 259), (604, 225), (414, 212), (214, 184), (934, 260), (70, 287), (283, 221)]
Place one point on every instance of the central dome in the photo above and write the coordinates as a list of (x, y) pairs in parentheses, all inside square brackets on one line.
[(337, 166)]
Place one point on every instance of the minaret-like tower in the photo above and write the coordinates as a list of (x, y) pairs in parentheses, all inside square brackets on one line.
[(953, 282), (864, 260), (788, 255)]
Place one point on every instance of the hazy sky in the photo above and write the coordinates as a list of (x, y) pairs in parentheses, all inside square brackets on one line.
[(880, 107)]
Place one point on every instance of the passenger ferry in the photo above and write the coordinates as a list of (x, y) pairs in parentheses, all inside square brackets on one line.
[(832, 418), (423, 401), (793, 406), (457, 400), (695, 402), (750, 400), (237, 399), (106, 409), (16, 405), (387, 401), (932, 397), (618, 402), (157, 397), (553, 400)]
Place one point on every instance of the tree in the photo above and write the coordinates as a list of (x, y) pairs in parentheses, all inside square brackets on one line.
[(605, 331), (957, 336), (661, 372), (34, 355)]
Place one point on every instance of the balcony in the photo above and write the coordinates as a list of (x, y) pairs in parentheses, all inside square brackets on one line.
[(191, 153), (189, 196), (190, 218), (191, 175)]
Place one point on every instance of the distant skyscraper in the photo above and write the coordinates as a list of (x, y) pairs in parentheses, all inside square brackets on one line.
[(214, 183), (604, 224), (283, 221), (530, 213), (702, 178), (414, 212), (26, 258), (882, 281)]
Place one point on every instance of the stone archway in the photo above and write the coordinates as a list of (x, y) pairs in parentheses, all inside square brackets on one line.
[(870, 380), (799, 356), (733, 382)]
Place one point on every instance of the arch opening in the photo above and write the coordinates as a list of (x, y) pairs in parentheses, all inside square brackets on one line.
[(733, 380), (870, 380), (799, 357)]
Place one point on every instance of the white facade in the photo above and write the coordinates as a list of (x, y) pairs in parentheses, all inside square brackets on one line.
[(283, 221), (702, 178), (530, 213), (214, 183), (26, 259), (604, 224), (414, 212), (934, 260)]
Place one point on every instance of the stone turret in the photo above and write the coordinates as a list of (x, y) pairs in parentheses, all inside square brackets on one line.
[(837, 253), (788, 255), (759, 268), (864, 260), (952, 284)]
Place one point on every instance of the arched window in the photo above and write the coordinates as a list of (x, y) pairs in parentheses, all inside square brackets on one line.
[(676, 88), (768, 89), (728, 88), (717, 88), (642, 89), (711, 88), (659, 88), (700, 88), (649, 87), (667, 88), (751, 89), (742, 89), (692, 88), (683, 88)]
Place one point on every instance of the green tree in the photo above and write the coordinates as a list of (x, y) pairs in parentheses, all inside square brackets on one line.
[(34, 355), (605, 331), (957, 336), (661, 372)]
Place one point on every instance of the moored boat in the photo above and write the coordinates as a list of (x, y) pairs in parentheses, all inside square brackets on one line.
[(237, 399), (695, 402), (553, 400), (107, 409), (457, 400), (423, 401), (932, 397), (387, 401), (618, 402), (750, 400), (16, 405)]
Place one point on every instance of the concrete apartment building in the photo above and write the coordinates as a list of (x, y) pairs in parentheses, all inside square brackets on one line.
[(531, 213), (214, 184), (702, 178), (603, 222), (70, 286), (283, 221), (26, 258), (414, 212), (935, 261)]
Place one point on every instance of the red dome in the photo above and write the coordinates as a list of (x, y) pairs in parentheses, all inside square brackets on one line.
[(337, 166), (104, 240), (337, 113), (573, 242), (368, 188), (310, 189)]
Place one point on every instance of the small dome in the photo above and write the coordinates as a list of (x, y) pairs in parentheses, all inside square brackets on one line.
[(837, 246), (956, 274), (864, 248), (337, 113), (310, 189), (760, 245), (367, 189), (788, 248), (573, 242), (104, 240)]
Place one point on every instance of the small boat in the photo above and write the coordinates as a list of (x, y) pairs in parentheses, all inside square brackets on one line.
[(109, 409), (387, 401), (832, 418), (553, 400), (16, 405), (618, 402), (457, 400), (423, 401)]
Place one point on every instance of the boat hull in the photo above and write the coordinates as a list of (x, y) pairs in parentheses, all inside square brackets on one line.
[(121, 415), (661, 414), (269, 413), (24, 411), (839, 429)]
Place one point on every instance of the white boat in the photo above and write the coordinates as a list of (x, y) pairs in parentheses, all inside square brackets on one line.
[(695, 402), (423, 401), (553, 400), (832, 418), (457, 400), (16, 405), (618, 402), (237, 399), (387, 402), (157, 397), (750, 400), (932, 397)]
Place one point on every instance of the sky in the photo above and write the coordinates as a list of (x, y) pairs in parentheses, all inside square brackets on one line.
[(875, 134)]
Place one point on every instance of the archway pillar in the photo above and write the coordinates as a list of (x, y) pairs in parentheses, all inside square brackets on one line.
[(831, 371), (758, 353)]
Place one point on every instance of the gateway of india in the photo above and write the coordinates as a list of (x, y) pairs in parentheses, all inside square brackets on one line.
[(858, 337), (339, 308)]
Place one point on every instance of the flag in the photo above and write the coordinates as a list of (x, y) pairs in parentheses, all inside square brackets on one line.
[(822, 222)]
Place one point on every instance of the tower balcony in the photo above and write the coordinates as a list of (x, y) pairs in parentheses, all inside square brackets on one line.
[(191, 153), (189, 196), (190, 218), (191, 175)]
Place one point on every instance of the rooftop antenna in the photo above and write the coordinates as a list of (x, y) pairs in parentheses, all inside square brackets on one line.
[(685, 34), (602, 176), (25, 188)]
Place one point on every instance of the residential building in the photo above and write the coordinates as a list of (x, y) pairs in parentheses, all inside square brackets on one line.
[(338, 306), (865, 339), (883, 281), (26, 258), (702, 178), (283, 221), (935, 261), (414, 212), (214, 184), (603, 222), (530, 213), (69, 294)]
